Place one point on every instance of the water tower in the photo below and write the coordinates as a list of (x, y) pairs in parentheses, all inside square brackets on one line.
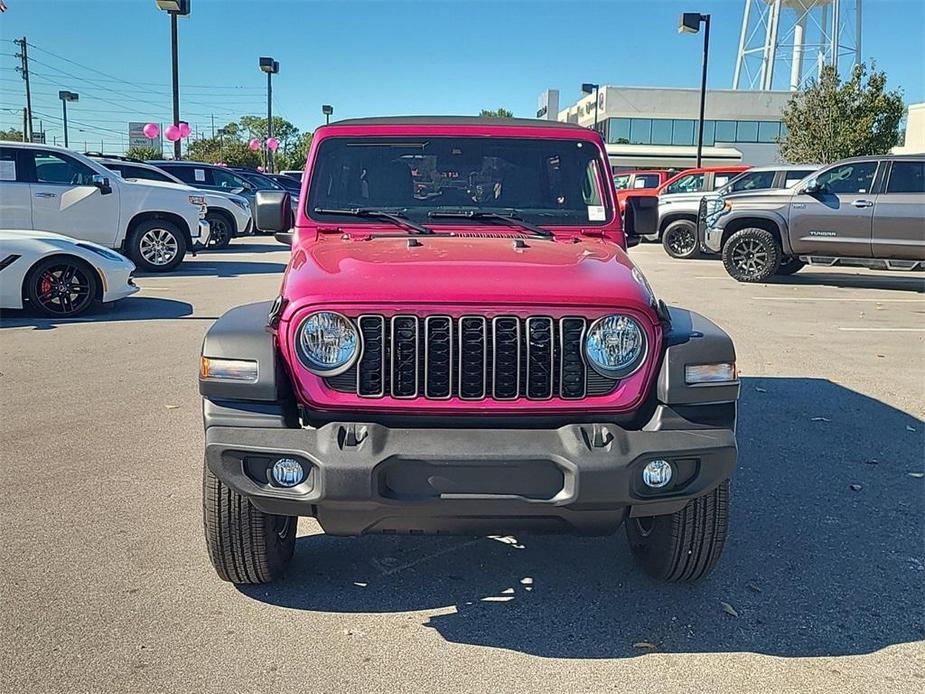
[(802, 35)]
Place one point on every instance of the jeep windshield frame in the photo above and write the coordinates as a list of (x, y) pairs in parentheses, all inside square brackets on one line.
[(551, 182)]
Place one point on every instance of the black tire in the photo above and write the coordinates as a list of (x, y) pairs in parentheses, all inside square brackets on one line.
[(686, 545), (680, 239), (156, 245), (222, 230), (245, 545), (790, 266), (751, 255), (62, 287)]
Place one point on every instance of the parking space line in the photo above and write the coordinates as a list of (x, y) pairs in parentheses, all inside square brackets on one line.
[(839, 299), (883, 330)]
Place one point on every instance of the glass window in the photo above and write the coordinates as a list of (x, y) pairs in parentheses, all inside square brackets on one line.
[(725, 131), (622, 181), (618, 133), (793, 177), (187, 174), (855, 177), (548, 181), (683, 132), (768, 131), (142, 174), (661, 131), (754, 180), (709, 133), (640, 131), (8, 164), (647, 181), (907, 177), (226, 180), (51, 167), (747, 131), (691, 183)]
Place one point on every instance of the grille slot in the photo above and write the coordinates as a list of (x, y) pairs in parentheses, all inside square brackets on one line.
[(503, 358)]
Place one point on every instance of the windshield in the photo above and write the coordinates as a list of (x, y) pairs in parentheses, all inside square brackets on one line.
[(545, 181), (261, 182)]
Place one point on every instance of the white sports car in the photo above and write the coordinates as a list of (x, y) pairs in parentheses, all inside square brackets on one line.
[(59, 276)]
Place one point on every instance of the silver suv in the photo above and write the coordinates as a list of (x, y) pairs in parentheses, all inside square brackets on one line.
[(867, 211), (678, 211)]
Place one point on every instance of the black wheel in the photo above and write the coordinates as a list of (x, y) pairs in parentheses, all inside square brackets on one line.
[(222, 230), (245, 545), (686, 545), (680, 239), (751, 255), (789, 266), (62, 286), (156, 245)]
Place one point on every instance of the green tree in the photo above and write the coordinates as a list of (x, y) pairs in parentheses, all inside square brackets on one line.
[(144, 152), (294, 157), (223, 150), (12, 135), (499, 113), (833, 119)]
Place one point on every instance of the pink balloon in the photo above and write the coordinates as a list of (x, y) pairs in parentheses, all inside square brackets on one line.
[(172, 133), (185, 130), (272, 144), (254, 144), (151, 131), (260, 169)]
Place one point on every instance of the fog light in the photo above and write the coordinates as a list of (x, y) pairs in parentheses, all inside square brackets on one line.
[(657, 474), (287, 472)]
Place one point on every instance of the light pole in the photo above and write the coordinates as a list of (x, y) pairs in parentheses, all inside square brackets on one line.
[(589, 88), (175, 8), (66, 96), (271, 67), (690, 24), (328, 111)]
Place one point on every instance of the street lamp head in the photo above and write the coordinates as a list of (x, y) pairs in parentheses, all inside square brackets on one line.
[(327, 109), (589, 87), (689, 23), (68, 96), (180, 7), (269, 65)]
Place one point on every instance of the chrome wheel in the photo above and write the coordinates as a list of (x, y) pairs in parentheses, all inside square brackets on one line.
[(158, 246), (749, 256)]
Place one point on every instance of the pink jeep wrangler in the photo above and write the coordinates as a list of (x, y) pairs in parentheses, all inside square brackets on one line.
[(462, 345)]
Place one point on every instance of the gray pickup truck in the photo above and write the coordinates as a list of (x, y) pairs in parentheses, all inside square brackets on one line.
[(867, 211)]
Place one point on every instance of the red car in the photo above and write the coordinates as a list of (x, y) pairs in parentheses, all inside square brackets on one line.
[(461, 344), (628, 182)]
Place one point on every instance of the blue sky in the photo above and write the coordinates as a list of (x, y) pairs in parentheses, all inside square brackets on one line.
[(376, 58)]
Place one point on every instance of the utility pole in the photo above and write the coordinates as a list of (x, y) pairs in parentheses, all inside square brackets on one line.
[(213, 126), (25, 125), (23, 55), (175, 66)]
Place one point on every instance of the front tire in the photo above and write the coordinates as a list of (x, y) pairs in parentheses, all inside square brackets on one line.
[(680, 239), (751, 255), (686, 545), (222, 230), (157, 245), (245, 545), (62, 287)]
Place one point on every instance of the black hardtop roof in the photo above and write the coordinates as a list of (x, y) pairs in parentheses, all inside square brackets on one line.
[(456, 120)]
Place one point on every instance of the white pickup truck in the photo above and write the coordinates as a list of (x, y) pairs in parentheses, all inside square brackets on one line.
[(55, 189)]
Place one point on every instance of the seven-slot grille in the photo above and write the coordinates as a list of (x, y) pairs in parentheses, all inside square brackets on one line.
[(473, 358)]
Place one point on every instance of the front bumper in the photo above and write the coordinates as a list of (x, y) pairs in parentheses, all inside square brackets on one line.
[(712, 240), (369, 478), (202, 232)]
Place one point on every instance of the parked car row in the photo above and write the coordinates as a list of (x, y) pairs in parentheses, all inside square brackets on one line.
[(76, 226), (772, 220)]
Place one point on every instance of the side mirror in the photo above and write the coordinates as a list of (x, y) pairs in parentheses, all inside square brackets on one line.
[(102, 182), (812, 187), (284, 237), (273, 211), (640, 218)]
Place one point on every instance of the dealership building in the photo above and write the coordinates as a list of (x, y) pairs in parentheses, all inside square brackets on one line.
[(650, 127)]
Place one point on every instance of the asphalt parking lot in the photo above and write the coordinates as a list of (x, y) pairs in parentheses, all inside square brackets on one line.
[(107, 585)]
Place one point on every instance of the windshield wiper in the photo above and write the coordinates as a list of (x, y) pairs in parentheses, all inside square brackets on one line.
[(397, 218), (511, 219)]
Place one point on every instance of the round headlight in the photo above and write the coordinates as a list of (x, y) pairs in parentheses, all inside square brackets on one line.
[(327, 343), (615, 346)]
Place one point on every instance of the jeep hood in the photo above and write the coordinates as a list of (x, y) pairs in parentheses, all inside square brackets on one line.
[(416, 270)]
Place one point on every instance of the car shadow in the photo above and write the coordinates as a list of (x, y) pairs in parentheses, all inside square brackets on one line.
[(212, 265), (133, 308), (250, 247), (912, 282), (824, 556)]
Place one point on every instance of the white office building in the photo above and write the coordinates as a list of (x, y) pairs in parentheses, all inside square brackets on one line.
[(651, 127)]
